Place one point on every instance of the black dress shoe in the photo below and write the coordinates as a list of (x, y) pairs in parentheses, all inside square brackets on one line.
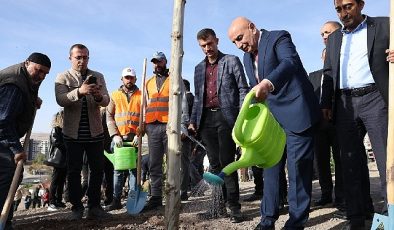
[(349, 226), (323, 201), (253, 197), (259, 227), (236, 216)]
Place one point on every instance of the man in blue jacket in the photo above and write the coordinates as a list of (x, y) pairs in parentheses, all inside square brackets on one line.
[(277, 76)]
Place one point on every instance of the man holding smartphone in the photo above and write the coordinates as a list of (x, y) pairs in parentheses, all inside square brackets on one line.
[(82, 92)]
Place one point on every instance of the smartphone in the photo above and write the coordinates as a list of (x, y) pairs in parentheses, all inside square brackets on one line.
[(91, 80)]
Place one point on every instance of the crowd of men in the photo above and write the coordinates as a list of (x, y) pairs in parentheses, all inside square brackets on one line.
[(334, 108)]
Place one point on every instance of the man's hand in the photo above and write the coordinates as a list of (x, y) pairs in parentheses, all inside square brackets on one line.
[(327, 114), (390, 55), (87, 88), (20, 156), (140, 131), (118, 141), (38, 103), (135, 141), (192, 129), (262, 90)]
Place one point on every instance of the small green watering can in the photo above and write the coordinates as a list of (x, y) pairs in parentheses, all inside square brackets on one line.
[(123, 158), (260, 137)]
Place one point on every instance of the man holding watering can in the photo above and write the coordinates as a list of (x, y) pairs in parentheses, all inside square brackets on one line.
[(123, 114)]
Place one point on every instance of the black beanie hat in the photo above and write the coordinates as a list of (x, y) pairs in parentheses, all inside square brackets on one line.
[(40, 58)]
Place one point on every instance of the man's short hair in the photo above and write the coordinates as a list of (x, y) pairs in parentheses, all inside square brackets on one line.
[(79, 46), (335, 23), (205, 33), (187, 84)]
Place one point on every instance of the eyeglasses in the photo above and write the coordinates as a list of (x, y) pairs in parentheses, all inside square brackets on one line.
[(81, 57), (129, 77)]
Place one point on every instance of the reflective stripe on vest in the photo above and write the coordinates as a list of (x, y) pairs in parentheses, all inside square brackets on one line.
[(157, 109), (127, 114)]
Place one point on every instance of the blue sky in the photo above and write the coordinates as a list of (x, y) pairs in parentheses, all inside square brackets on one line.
[(122, 33)]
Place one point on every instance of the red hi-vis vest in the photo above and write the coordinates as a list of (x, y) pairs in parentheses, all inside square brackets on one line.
[(127, 114), (157, 109)]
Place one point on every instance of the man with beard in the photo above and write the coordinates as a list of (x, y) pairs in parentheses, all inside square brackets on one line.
[(19, 92), (156, 118), (123, 115), (82, 91), (220, 88)]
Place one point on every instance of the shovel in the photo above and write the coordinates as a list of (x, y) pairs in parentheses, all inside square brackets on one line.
[(15, 182), (137, 198)]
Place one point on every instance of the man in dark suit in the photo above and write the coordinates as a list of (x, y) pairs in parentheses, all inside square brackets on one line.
[(220, 88), (356, 76), (278, 76), (325, 139)]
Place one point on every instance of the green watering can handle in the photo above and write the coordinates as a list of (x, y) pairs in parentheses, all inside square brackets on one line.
[(242, 113)]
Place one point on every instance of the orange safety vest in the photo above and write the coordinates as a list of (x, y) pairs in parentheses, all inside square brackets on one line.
[(127, 114), (157, 109)]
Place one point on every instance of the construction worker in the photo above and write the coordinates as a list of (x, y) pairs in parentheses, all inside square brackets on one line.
[(156, 118), (123, 113)]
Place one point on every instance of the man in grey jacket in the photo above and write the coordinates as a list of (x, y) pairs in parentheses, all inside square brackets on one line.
[(81, 92)]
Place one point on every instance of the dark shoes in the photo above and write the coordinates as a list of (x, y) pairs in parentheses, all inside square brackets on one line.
[(260, 227), (154, 202), (253, 197), (236, 216), (76, 214), (323, 201), (96, 213), (184, 196), (349, 226), (115, 205)]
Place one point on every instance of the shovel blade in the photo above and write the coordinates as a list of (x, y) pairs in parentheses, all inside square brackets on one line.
[(136, 201)]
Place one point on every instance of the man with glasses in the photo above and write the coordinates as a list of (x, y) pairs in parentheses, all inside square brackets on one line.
[(123, 115), (82, 92)]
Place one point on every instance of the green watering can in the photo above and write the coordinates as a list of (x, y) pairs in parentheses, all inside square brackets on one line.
[(124, 157), (260, 137)]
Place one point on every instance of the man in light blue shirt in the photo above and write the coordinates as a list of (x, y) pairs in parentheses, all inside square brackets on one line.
[(355, 97)]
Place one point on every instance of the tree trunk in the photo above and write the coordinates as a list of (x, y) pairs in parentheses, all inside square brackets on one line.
[(173, 202)]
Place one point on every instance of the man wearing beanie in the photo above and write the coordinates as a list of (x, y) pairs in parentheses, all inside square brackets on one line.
[(19, 99), (82, 91)]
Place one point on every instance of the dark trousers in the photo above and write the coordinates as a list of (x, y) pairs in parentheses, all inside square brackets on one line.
[(95, 157), (300, 170), (145, 168), (57, 185), (355, 116), (185, 165), (325, 143), (258, 180), (216, 135), (196, 165), (7, 170), (108, 180)]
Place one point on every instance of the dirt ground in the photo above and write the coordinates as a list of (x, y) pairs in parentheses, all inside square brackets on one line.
[(320, 218)]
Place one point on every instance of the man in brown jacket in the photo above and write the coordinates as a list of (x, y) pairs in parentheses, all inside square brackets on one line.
[(81, 92)]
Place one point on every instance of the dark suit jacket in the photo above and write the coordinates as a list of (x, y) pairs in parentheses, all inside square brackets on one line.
[(232, 88), (315, 79), (378, 34), (292, 102)]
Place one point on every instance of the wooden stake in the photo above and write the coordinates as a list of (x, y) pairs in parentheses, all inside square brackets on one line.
[(173, 202), (390, 138)]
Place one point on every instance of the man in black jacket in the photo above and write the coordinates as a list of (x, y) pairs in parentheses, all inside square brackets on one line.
[(19, 99)]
